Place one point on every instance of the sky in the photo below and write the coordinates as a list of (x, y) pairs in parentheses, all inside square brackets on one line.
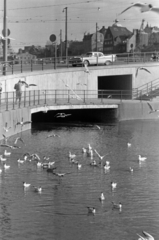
[(31, 22)]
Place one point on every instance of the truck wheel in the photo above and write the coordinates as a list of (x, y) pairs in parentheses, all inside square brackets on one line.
[(107, 63), (86, 63)]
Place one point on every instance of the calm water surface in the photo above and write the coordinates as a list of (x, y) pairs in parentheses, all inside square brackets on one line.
[(60, 211)]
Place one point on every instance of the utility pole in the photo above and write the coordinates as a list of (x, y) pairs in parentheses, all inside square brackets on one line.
[(96, 37), (66, 45), (5, 42), (61, 43)]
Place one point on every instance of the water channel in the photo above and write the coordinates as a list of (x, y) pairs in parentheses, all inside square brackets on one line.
[(60, 211)]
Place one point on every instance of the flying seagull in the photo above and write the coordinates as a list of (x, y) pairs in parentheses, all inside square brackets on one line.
[(6, 128), (5, 38), (28, 85), (147, 236), (152, 110), (144, 7), (23, 123), (62, 115), (141, 68)]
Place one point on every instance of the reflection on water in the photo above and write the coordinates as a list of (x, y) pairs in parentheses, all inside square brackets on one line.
[(60, 211)]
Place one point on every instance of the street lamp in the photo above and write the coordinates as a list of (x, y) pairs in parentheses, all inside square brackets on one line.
[(66, 47), (5, 42)]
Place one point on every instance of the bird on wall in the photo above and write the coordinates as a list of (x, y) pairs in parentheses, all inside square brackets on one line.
[(141, 68), (144, 7), (86, 68)]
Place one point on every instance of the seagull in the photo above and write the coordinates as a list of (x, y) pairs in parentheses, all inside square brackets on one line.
[(129, 144), (144, 7), (131, 169), (142, 158), (113, 185), (106, 167), (82, 84), (20, 160), (141, 68), (60, 174), (6, 128), (28, 85), (46, 109), (91, 210), (94, 163), (102, 197), (9, 146), (38, 189), (79, 166), (147, 236), (2, 159), (101, 157), (86, 69), (62, 115), (117, 206), (52, 135), (5, 38), (71, 156), (6, 166), (26, 185), (22, 123), (6, 153), (5, 138), (84, 150), (18, 139), (152, 110), (97, 126)]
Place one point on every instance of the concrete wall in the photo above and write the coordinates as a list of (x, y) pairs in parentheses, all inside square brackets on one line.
[(56, 79)]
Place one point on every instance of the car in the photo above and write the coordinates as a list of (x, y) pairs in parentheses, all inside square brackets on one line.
[(93, 58)]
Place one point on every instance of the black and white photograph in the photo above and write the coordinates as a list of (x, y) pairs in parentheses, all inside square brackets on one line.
[(79, 120)]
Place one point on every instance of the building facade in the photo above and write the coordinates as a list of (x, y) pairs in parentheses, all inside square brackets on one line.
[(115, 40)]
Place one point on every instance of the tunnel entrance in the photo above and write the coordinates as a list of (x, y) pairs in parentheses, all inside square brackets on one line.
[(77, 116), (115, 86)]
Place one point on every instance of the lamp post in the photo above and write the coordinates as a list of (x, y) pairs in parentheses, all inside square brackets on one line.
[(66, 47), (5, 42), (96, 37)]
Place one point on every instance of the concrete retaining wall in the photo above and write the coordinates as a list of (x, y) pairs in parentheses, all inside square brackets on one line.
[(56, 79)]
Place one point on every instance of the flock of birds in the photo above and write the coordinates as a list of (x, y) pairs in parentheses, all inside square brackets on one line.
[(50, 166)]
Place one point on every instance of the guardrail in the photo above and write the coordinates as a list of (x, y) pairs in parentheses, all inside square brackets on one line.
[(64, 97), (18, 66)]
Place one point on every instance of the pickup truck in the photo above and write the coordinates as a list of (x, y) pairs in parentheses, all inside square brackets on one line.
[(93, 58)]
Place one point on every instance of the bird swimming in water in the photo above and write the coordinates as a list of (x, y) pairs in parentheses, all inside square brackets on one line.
[(102, 197), (91, 210), (117, 206)]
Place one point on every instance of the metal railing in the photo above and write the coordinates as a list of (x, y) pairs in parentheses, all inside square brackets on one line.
[(17, 66), (37, 98)]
